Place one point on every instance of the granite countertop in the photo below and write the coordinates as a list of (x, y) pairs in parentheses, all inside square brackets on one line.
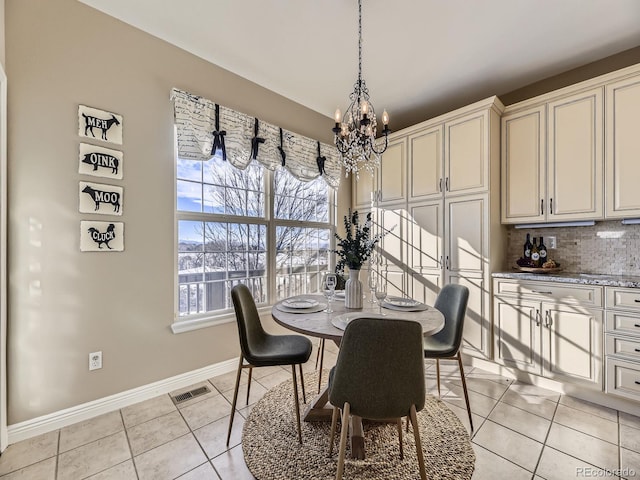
[(575, 278)]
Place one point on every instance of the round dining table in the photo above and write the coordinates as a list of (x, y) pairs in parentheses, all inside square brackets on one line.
[(316, 322)]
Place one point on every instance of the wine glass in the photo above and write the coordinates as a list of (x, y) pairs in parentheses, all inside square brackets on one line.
[(329, 283), (381, 293), (373, 283)]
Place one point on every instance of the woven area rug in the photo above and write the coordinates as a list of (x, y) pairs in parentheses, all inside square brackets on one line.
[(271, 448)]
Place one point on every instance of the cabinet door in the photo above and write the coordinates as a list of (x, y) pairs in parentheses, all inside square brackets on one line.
[(623, 148), (425, 164), (572, 344), (362, 190), (524, 173), (466, 234), (426, 286), (477, 325), (392, 175), (575, 157), (467, 154), (425, 229), (516, 333)]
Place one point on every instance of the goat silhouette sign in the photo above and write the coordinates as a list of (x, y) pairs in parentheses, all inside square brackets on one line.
[(99, 124), (100, 161), (100, 198), (101, 236)]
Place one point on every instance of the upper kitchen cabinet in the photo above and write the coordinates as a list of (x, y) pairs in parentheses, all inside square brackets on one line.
[(623, 148), (392, 176), (426, 158), (362, 190), (552, 159)]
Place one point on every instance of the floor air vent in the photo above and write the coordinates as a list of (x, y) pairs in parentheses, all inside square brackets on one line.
[(183, 397)]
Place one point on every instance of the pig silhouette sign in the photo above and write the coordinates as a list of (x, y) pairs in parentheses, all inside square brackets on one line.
[(100, 162)]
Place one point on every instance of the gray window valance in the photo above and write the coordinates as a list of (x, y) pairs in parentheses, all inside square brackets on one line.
[(205, 129)]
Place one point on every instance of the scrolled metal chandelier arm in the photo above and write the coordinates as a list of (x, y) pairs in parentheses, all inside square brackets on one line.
[(355, 138)]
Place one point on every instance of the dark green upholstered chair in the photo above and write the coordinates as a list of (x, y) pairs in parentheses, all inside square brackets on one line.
[(379, 375), (260, 349), (452, 302)]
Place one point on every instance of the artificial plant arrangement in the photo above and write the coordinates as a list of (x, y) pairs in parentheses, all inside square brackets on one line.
[(357, 245)]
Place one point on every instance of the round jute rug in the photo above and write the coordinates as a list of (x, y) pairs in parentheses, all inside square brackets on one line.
[(272, 452)]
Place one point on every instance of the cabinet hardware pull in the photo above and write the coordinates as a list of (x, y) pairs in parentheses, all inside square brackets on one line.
[(637, 349), (441, 262), (446, 184), (538, 317), (542, 206), (636, 300), (637, 325), (447, 262), (549, 319), (637, 382), (537, 291), (440, 185), (551, 205)]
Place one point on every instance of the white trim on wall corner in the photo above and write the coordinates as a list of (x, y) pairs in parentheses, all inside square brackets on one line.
[(68, 416)]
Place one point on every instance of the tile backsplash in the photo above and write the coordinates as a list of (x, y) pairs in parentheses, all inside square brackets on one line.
[(608, 248)]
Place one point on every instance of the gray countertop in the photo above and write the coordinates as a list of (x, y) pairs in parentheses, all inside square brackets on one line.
[(574, 278)]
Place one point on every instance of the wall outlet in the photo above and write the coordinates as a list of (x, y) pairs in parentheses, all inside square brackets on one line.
[(552, 242), (95, 360)]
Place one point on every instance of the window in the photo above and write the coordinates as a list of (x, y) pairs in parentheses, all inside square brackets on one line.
[(225, 236)]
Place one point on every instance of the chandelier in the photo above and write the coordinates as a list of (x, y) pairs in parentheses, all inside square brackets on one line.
[(355, 138)]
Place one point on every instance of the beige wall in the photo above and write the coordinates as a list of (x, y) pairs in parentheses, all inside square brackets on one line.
[(64, 304), (2, 32)]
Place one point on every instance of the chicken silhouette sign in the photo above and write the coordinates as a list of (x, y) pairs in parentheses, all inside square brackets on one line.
[(101, 236), (99, 125)]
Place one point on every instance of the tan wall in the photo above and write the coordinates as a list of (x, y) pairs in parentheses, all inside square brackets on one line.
[(2, 32), (64, 304)]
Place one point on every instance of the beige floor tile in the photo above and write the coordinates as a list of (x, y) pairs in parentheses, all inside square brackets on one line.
[(490, 466), (534, 391), (629, 463), (526, 423), (585, 447), (93, 457), (592, 408), (170, 460), (276, 378), (155, 432), (260, 372), (630, 438), (28, 452), (231, 466), (245, 411), (122, 471), (463, 416), (483, 374), (226, 382), (203, 472), (587, 423), (44, 470), (144, 411), (555, 465), (199, 398), (516, 448), (489, 388), (532, 404), (255, 393), (86, 432), (480, 404), (209, 410), (213, 437), (628, 419)]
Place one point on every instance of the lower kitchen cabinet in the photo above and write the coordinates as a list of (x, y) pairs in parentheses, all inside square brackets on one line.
[(545, 332)]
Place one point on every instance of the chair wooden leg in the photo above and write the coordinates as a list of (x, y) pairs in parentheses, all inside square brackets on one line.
[(297, 402), (343, 440), (416, 434), (320, 348), (400, 438), (321, 353), (249, 384), (334, 422), (235, 399), (304, 395), (438, 374), (464, 389)]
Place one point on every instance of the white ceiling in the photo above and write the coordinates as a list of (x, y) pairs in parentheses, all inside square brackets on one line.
[(417, 54)]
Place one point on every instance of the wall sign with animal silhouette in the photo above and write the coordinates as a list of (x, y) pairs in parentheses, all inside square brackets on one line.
[(101, 236), (100, 198), (100, 161), (99, 125)]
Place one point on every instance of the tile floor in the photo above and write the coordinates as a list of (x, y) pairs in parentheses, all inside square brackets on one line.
[(521, 432)]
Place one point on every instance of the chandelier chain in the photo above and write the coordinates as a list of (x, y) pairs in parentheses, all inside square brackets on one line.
[(359, 43)]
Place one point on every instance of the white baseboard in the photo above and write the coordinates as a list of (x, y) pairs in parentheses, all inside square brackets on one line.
[(52, 421)]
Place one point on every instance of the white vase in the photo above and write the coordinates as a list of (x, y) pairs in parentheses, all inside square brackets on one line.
[(353, 290)]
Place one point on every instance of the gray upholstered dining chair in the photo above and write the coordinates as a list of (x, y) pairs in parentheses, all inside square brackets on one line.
[(261, 349), (379, 375), (452, 303)]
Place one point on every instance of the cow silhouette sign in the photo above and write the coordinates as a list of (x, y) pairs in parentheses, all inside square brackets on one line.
[(99, 124), (99, 197)]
